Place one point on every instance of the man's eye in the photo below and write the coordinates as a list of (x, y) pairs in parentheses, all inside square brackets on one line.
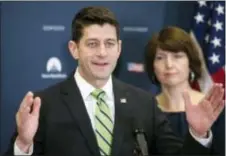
[(92, 44), (109, 44)]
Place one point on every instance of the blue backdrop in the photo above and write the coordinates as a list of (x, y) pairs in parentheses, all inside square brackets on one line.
[(34, 32)]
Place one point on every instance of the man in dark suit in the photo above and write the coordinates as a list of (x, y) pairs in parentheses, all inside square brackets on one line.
[(92, 113)]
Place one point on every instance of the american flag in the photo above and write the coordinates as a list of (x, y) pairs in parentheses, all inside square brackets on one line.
[(208, 32), (135, 67)]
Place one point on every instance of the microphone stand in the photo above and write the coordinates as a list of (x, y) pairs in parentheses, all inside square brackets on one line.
[(139, 138)]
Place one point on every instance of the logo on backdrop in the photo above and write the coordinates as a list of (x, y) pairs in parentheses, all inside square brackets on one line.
[(135, 29), (53, 69), (53, 28)]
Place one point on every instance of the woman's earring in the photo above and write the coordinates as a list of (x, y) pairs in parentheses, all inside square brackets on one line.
[(192, 76)]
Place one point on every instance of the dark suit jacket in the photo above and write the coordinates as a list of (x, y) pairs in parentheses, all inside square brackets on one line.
[(65, 127)]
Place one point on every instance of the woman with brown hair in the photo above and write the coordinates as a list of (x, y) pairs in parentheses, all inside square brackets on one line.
[(173, 63)]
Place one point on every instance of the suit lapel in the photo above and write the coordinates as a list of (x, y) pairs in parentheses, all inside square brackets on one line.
[(120, 106), (75, 103)]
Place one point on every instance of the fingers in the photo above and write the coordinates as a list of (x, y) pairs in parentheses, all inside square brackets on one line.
[(26, 102), (209, 93), (36, 106), (212, 113), (219, 109), (217, 96), (217, 91), (214, 92), (207, 107), (30, 104)]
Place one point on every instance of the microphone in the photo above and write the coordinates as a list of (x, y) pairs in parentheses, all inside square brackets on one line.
[(141, 143)]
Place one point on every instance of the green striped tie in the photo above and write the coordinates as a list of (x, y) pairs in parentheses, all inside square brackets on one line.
[(103, 122)]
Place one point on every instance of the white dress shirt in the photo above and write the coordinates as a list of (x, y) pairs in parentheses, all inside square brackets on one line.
[(90, 104)]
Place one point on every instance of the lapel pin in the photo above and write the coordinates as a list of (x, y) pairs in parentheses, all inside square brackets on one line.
[(123, 100)]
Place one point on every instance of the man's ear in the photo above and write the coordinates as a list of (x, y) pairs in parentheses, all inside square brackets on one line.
[(73, 48), (119, 47)]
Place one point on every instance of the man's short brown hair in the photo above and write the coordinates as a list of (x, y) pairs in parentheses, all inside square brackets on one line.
[(89, 16)]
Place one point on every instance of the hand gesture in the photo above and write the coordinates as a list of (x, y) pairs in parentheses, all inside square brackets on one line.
[(27, 119), (200, 117)]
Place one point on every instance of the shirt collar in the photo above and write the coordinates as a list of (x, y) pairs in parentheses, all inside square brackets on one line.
[(86, 88)]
